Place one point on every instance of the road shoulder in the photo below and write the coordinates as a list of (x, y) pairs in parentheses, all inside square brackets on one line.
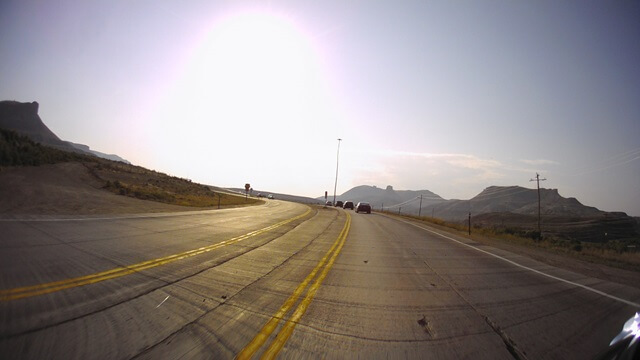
[(595, 270)]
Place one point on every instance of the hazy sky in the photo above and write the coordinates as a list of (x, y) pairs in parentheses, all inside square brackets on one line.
[(449, 96)]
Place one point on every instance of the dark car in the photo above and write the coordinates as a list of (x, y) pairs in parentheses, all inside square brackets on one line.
[(364, 207), (328, 203), (339, 203), (348, 205)]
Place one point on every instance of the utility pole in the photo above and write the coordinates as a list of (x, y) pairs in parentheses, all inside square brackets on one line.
[(469, 224), (537, 180), (420, 211), (336, 183)]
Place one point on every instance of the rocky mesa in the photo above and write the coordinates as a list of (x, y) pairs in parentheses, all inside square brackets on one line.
[(23, 118)]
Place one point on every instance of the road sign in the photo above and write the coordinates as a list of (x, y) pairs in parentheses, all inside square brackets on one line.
[(247, 187)]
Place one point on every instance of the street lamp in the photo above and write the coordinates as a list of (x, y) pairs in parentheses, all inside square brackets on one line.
[(335, 186)]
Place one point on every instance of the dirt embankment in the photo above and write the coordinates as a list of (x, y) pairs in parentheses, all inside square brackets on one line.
[(66, 189)]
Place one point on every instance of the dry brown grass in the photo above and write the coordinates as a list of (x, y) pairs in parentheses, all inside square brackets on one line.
[(17, 151), (141, 183), (615, 253)]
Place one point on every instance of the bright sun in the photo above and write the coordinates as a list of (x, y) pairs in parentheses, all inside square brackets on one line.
[(253, 68), (254, 87)]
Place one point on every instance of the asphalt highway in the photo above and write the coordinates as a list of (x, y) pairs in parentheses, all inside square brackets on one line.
[(290, 281)]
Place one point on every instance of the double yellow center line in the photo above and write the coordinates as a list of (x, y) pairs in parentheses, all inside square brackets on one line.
[(40, 289), (281, 338)]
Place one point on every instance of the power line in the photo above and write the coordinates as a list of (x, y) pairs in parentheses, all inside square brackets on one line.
[(432, 197), (404, 203), (507, 192), (613, 161)]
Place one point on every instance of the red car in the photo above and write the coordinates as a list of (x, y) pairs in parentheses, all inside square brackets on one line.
[(364, 207)]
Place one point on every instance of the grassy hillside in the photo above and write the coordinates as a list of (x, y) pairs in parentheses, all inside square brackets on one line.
[(18, 150), (116, 177), (141, 183)]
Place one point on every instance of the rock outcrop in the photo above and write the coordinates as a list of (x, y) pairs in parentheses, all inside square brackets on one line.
[(23, 118)]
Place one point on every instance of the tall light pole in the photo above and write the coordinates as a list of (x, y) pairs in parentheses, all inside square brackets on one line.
[(335, 186)]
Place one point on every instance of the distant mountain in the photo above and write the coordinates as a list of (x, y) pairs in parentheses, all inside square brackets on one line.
[(514, 207), (86, 148), (513, 199), (379, 197), (494, 199), (23, 118)]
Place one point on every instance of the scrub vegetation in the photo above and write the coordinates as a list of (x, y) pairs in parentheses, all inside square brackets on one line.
[(620, 253), (18, 150), (117, 177)]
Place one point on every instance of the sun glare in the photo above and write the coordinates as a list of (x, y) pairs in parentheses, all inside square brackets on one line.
[(253, 69), (254, 87)]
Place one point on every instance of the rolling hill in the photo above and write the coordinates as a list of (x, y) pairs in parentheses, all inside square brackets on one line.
[(55, 177), (379, 197)]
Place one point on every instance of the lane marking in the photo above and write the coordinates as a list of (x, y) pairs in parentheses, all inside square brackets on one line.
[(263, 335), (45, 288), (627, 302), (165, 299), (284, 334)]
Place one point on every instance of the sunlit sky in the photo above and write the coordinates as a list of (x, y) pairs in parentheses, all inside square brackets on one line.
[(449, 96)]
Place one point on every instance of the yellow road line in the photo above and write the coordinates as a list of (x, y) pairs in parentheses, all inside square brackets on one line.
[(266, 331), (286, 331), (34, 290)]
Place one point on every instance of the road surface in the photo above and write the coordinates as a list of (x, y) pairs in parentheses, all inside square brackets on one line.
[(290, 281)]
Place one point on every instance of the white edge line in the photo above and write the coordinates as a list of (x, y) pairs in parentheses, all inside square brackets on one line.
[(631, 303)]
